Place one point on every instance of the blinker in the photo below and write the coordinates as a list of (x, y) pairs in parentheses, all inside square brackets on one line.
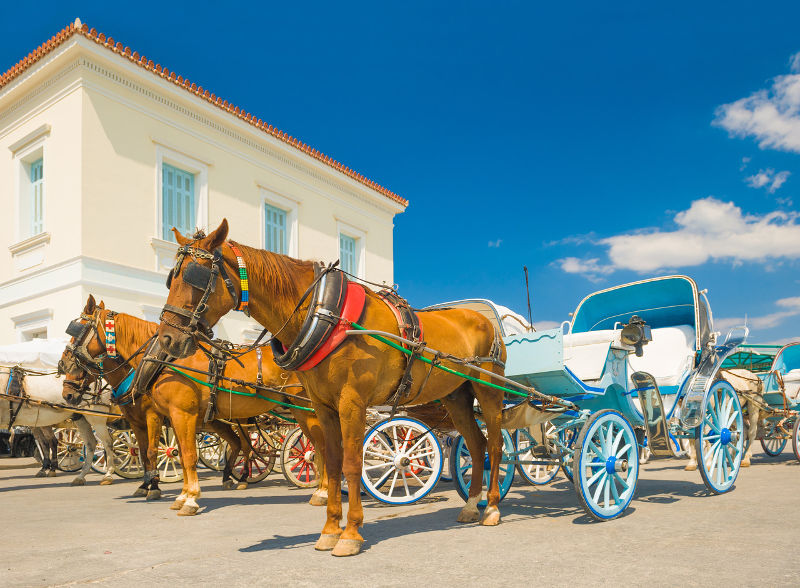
[(198, 276), (169, 278), (76, 328)]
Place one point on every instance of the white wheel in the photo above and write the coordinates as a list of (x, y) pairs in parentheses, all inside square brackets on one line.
[(168, 458), (70, 449), (537, 474), (99, 457), (720, 438), (128, 462), (211, 450), (402, 461)]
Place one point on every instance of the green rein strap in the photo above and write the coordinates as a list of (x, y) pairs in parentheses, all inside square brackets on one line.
[(251, 394), (438, 366)]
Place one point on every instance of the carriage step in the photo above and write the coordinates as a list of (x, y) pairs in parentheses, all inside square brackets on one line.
[(655, 421)]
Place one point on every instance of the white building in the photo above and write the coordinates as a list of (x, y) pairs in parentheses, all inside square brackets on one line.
[(102, 151)]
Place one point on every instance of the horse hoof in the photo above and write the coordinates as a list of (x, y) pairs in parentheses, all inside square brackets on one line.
[(318, 500), (690, 467), (241, 486), (347, 547), (41, 474), (745, 463), (154, 495), (51, 474), (228, 485), (188, 510), (177, 505), (106, 481), (327, 541), (78, 482), (491, 516), (140, 492), (469, 516)]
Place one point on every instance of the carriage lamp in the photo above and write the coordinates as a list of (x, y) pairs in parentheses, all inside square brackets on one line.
[(636, 334)]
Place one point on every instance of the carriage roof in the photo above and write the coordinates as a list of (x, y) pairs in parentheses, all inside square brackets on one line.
[(39, 353), (506, 321), (662, 302), (788, 358)]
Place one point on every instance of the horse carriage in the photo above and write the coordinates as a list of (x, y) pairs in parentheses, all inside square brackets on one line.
[(637, 360), (779, 418)]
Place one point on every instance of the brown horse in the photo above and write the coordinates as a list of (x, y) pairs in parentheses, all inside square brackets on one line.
[(359, 373), (185, 401)]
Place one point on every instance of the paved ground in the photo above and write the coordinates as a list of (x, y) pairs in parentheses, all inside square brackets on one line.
[(673, 534)]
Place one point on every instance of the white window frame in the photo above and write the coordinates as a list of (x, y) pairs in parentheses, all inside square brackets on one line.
[(360, 237), (291, 208), (28, 324), (23, 160), (188, 164)]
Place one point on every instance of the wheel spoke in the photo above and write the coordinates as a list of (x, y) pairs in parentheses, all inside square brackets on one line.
[(596, 496), (623, 451)]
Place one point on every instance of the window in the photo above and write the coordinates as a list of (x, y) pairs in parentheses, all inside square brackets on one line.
[(177, 201), (36, 174), (347, 254), (275, 233)]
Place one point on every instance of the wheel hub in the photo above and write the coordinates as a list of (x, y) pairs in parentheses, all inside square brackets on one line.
[(725, 436), (611, 465), (172, 452), (308, 456), (401, 462), (133, 451)]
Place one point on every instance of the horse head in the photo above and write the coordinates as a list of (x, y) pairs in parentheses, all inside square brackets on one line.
[(82, 359), (200, 291)]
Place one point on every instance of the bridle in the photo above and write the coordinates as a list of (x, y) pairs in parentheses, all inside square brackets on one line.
[(204, 278)]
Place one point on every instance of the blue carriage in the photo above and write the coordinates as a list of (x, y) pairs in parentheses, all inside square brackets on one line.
[(637, 361), (780, 412)]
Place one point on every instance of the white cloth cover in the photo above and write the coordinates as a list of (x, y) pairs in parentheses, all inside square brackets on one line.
[(37, 354), (513, 322), (791, 385), (585, 353)]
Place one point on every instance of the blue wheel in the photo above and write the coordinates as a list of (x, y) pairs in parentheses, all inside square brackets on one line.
[(402, 461), (606, 465), (461, 468), (773, 447), (719, 439), (536, 474)]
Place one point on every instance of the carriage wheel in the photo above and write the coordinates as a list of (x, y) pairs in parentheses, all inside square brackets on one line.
[(70, 449), (99, 457), (796, 437), (211, 450), (128, 462), (606, 465), (773, 446), (276, 434), (297, 460), (567, 438), (402, 461), (168, 457), (536, 474), (461, 468), (719, 439), (258, 465)]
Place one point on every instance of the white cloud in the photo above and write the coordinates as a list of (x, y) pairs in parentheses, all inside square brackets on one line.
[(495, 244), (790, 308), (771, 115), (745, 161), (768, 178), (545, 325), (710, 230)]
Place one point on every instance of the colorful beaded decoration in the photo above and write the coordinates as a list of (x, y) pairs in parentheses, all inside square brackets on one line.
[(245, 297), (111, 337)]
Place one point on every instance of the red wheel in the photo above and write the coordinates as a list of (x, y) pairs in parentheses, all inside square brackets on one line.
[(298, 463)]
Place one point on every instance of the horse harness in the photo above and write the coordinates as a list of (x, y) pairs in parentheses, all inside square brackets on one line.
[(15, 388)]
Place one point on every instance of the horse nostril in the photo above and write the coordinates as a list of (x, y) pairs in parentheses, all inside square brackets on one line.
[(166, 341)]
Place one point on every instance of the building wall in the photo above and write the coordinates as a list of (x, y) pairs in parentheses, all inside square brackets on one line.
[(108, 125)]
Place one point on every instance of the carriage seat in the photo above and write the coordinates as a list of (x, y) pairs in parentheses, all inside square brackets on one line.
[(667, 357), (791, 385), (585, 353)]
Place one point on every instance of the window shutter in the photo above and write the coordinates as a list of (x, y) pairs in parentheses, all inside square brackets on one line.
[(275, 238), (177, 202), (347, 254), (37, 197)]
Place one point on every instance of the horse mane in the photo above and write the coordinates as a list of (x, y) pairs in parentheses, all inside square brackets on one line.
[(273, 270), (132, 332)]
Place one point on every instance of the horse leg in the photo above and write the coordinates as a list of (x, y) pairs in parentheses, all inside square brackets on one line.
[(185, 426), (226, 432), (140, 433), (692, 465), (89, 444), (353, 421), (154, 424), (44, 450), (51, 443), (492, 406), (753, 413), (312, 429), (101, 429), (332, 432), (459, 405)]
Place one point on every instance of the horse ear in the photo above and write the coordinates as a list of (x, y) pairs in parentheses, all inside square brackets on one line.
[(90, 305), (217, 237), (102, 305), (180, 238)]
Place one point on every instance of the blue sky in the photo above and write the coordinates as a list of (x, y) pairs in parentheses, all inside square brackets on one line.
[(595, 145)]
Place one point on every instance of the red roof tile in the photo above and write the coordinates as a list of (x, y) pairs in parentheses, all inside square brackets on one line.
[(158, 70)]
